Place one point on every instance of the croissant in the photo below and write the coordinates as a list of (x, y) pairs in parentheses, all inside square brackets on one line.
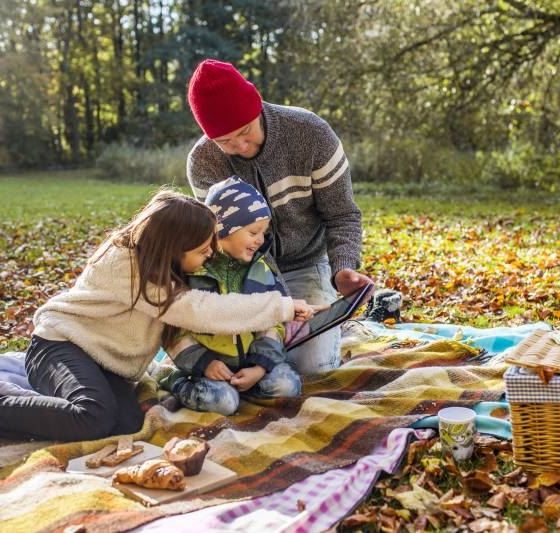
[(152, 474)]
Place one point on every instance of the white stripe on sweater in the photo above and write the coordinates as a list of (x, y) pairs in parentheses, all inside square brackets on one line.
[(289, 181), (333, 178), (333, 162), (199, 193), (291, 196)]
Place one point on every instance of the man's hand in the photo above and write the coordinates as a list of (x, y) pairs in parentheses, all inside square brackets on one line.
[(218, 371), (245, 378), (348, 281)]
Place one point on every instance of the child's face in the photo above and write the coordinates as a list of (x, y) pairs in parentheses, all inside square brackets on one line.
[(243, 244), (192, 260)]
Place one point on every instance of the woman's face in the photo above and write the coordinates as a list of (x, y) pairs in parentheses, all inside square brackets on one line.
[(192, 260)]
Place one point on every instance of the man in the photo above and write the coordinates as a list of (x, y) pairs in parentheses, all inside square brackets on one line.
[(297, 162)]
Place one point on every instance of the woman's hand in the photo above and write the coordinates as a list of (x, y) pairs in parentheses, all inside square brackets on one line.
[(302, 310), (218, 371), (245, 378)]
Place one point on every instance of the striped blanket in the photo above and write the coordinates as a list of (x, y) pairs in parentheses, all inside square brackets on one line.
[(271, 444)]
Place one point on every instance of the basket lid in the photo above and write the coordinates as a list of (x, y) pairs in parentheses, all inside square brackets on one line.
[(538, 350)]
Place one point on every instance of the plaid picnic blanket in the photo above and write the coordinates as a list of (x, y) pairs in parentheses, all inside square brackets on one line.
[(271, 444)]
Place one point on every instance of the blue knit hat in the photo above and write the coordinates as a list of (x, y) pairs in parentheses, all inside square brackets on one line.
[(236, 204)]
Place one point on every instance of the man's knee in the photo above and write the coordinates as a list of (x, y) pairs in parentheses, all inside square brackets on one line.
[(321, 354)]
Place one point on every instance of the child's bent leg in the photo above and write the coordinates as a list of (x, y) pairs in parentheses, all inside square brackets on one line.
[(204, 394), (281, 381)]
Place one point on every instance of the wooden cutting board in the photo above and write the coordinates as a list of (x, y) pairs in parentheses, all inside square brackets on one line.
[(211, 477), (78, 465)]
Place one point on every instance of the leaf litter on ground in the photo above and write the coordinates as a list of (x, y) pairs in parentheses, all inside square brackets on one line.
[(483, 264)]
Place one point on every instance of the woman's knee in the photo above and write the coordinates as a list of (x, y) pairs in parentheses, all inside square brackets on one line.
[(92, 420), (131, 422)]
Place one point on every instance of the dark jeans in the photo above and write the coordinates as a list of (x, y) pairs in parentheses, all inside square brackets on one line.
[(79, 399)]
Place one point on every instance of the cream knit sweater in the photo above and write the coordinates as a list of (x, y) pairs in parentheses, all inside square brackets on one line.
[(95, 315)]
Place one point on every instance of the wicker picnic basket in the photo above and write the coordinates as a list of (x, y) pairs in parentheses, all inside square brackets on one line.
[(534, 404)]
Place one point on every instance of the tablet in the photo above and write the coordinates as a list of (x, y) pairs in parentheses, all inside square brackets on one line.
[(339, 311)]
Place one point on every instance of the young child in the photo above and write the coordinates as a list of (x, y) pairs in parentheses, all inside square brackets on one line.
[(91, 342), (219, 367)]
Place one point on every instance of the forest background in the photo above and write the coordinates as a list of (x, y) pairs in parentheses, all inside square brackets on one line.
[(420, 91)]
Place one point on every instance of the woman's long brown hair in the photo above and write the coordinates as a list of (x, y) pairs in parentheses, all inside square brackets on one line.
[(169, 225)]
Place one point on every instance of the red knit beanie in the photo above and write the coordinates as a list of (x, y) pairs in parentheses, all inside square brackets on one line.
[(221, 99)]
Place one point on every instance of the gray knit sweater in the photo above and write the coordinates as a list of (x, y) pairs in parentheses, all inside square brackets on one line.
[(303, 173)]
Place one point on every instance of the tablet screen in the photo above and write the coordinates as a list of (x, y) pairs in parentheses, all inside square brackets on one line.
[(337, 313)]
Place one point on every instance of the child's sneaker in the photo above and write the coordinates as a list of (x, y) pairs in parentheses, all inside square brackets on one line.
[(385, 304)]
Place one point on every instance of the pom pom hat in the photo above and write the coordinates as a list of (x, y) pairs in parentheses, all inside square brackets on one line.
[(236, 204), (221, 99)]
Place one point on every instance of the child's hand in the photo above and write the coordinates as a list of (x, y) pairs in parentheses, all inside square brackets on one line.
[(218, 371), (302, 310), (245, 378)]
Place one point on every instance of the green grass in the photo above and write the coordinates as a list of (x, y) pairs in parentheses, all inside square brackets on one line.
[(465, 256), (68, 194), (29, 196)]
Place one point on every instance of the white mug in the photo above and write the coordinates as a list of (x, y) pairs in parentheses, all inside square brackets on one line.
[(457, 430)]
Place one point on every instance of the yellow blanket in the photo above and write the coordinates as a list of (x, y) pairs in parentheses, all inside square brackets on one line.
[(271, 444)]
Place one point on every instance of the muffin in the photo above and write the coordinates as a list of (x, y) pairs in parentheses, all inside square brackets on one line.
[(186, 454)]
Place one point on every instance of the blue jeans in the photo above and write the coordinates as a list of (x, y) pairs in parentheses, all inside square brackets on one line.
[(313, 284), (203, 394)]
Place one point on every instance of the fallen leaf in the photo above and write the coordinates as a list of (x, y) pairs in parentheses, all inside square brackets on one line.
[(451, 502), (500, 412), (516, 476), (483, 524), (551, 507), (489, 461), (478, 481), (359, 519), (403, 513), (546, 479), (432, 465), (417, 499), (498, 501), (492, 443), (533, 524)]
